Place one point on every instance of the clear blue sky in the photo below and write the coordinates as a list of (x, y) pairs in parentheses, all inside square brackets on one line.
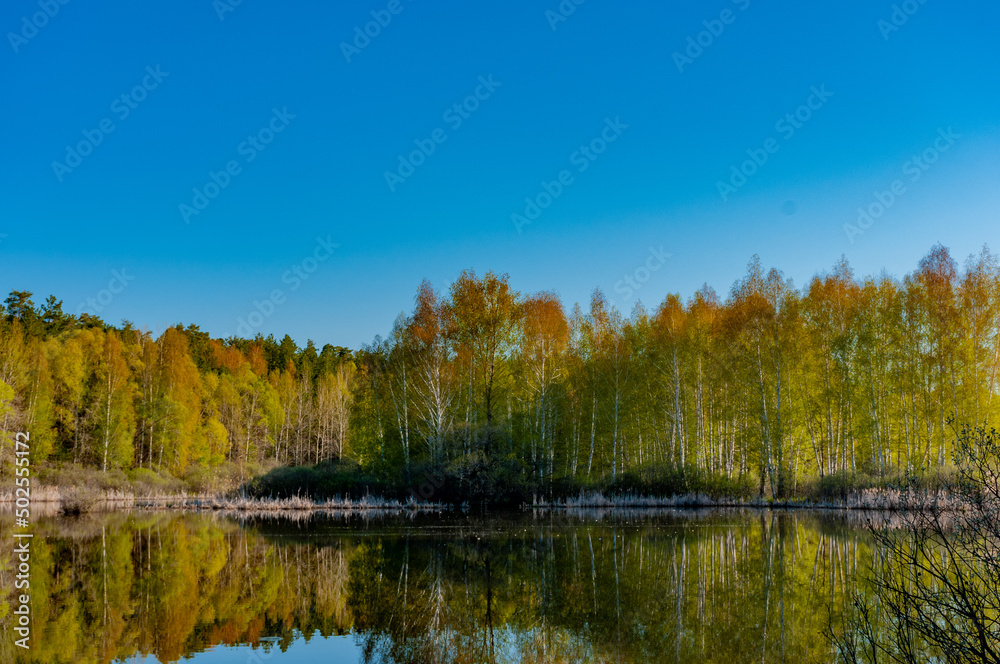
[(324, 174)]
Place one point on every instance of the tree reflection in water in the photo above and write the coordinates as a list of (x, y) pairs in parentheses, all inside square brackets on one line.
[(728, 587)]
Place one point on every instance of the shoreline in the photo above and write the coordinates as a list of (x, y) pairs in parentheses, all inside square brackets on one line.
[(74, 501), (863, 500)]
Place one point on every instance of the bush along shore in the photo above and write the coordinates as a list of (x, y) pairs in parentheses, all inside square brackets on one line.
[(342, 486)]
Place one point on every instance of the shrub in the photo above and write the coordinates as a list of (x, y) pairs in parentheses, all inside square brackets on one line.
[(931, 588), (667, 480), (485, 482), (83, 477), (145, 482), (329, 479)]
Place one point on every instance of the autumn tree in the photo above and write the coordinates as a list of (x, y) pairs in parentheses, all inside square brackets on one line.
[(433, 367), (542, 345), (484, 312)]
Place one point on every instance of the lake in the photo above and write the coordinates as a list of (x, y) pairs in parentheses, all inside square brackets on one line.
[(645, 586)]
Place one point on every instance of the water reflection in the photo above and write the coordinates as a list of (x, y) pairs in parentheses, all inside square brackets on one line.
[(668, 587)]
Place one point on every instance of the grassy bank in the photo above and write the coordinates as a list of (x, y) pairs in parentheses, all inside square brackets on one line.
[(74, 488), (865, 499), (71, 488), (505, 486), (237, 503)]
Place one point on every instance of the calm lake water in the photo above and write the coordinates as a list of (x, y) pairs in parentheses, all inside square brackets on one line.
[(671, 586)]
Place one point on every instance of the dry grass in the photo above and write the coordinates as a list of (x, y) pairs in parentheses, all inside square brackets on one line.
[(73, 500), (901, 500), (292, 504), (39, 494), (865, 499), (82, 500)]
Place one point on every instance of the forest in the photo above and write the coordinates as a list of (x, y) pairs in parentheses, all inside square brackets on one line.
[(767, 390)]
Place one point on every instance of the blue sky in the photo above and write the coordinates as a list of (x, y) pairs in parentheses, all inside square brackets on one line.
[(553, 87)]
